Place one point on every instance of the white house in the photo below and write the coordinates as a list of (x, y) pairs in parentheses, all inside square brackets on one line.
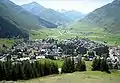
[(24, 58), (40, 57)]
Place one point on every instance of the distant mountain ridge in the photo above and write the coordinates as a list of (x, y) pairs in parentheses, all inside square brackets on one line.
[(47, 14), (107, 17), (74, 15), (16, 13)]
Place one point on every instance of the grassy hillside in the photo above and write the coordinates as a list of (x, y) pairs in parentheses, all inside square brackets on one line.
[(77, 77), (8, 30), (107, 17), (6, 42)]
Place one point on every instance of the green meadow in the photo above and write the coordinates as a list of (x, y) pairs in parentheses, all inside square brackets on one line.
[(79, 31)]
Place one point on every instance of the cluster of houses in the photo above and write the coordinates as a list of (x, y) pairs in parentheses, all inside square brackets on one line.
[(114, 56), (31, 50), (54, 49), (83, 46)]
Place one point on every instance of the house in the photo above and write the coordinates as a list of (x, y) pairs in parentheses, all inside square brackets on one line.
[(3, 59), (24, 58), (114, 53), (40, 57)]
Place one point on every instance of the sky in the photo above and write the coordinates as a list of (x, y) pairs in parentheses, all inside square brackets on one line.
[(84, 6)]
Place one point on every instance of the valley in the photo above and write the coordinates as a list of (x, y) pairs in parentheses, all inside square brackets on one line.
[(39, 44), (96, 34)]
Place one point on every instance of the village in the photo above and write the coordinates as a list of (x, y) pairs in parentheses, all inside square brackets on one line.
[(57, 50)]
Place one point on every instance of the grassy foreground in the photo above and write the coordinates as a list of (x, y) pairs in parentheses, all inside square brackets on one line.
[(78, 77)]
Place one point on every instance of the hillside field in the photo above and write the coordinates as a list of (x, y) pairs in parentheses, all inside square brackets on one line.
[(77, 30), (6, 42)]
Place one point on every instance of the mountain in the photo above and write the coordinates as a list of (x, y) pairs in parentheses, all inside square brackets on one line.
[(16, 21), (73, 14), (21, 17), (47, 14), (107, 17), (8, 30)]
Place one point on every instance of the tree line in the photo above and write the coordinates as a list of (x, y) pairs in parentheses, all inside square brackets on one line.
[(26, 70), (70, 65), (100, 65)]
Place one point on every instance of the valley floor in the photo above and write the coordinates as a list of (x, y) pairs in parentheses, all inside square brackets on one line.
[(96, 34)]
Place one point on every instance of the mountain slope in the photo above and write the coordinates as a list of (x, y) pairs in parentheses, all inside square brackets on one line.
[(9, 30), (47, 14), (21, 17), (107, 17), (74, 15)]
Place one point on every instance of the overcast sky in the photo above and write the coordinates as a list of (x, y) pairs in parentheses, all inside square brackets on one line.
[(84, 6)]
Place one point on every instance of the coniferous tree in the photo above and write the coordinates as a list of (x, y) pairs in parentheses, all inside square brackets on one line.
[(8, 65), (116, 66), (1, 73), (104, 65), (80, 66), (46, 68), (55, 68), (83, 66), (17, 71), (96, 64), (34, 70), (68, 66), (14, 72), (72, 66), (64, 66), (21, 72), (100, 65), (42, 73), (26, 70), (4, 71)]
